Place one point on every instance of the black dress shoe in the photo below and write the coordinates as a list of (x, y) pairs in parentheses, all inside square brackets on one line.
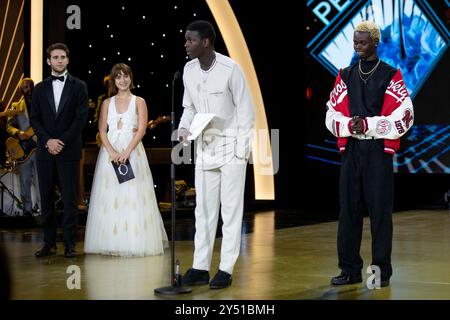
[(384, 283), (69, 252), (194, 277), (345, 278), (221, 280), (46, 250)]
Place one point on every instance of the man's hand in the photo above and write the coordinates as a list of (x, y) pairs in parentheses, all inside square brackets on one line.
[(183, 135), (54, 146), (356, 125)]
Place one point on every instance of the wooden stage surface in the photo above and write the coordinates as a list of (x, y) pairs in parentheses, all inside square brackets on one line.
[(289, 263)]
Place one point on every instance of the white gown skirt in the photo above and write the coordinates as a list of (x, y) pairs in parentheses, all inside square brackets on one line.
[(124, 219)]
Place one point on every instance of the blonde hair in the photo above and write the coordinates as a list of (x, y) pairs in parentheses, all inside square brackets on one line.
[(372, 28)]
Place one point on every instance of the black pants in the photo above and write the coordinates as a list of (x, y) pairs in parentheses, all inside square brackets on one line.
[(366, 185), (67, 174)]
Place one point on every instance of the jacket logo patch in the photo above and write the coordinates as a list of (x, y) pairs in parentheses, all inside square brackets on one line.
[(407, 118), (383, 127)]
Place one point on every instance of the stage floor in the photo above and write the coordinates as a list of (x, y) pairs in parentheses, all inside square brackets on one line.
[(288, 263)]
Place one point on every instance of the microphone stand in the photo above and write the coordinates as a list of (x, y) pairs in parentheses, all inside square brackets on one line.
[(175, 287)]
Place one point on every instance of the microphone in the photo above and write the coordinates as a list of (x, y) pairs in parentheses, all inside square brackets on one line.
[(176, 75)]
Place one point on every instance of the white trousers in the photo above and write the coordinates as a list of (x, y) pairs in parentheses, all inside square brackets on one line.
[(222, 186)]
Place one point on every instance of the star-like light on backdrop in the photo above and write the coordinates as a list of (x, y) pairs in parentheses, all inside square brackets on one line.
[(153, 59)]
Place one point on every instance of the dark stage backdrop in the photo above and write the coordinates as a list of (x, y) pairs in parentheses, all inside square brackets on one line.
[(149, 36)]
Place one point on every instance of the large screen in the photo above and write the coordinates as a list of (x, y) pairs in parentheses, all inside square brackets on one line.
[(413, 39)]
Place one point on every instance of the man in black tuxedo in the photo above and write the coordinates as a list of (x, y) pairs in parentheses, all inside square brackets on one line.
[(58, 114)]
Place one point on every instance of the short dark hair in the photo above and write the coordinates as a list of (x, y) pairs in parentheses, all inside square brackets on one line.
[(204, 28), (58, 45)]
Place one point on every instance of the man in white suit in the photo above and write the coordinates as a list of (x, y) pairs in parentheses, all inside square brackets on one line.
[(215, 84)]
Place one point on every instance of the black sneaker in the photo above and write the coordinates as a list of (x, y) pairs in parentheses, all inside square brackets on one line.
[(194, 277), (385, 283), (345, 278), (46, 250), (69, 251), (221, 280)]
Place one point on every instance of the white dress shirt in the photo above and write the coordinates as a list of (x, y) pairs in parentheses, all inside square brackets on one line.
[(58, 87)]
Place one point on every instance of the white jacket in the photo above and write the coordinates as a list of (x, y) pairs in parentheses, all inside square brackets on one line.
[(222, 91)]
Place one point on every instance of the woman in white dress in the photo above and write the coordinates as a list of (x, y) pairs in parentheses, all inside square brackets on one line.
[(123, 219)]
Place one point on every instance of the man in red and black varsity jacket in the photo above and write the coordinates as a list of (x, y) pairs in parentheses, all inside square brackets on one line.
[(368, 111)]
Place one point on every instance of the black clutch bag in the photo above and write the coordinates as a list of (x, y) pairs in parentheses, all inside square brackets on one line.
[(124, 172)]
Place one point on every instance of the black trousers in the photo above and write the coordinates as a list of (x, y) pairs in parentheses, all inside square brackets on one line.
[(67, 174), (366, 185)]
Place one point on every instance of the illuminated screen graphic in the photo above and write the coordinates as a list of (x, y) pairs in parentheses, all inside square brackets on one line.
[(409, 40)]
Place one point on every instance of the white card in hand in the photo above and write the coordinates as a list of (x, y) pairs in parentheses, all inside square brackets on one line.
[(199, 123)]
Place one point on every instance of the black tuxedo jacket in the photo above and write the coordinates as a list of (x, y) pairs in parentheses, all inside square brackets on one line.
[(66, 124)]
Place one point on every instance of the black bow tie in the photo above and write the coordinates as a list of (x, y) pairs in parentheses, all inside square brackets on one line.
[(61, 78)]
